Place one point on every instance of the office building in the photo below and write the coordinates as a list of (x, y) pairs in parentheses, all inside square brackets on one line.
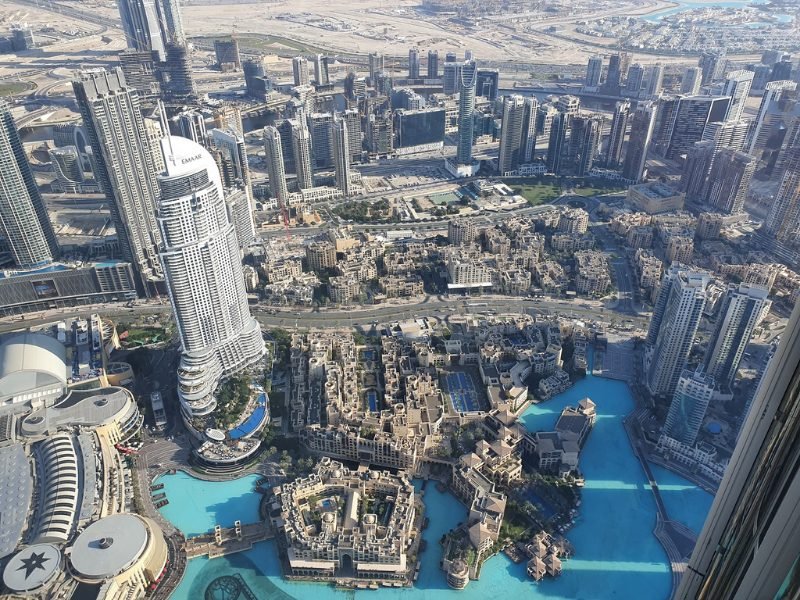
[(200, 253), (301, 146), (321, 71), (379, 134), (655, 81), (584, 139), (124, 166), (24, 221), (750, 543), (693, 393), (466, 105), (319, 125), (256, 81), (616, 140), (451, 77), (418, 130), (488, 83), (695, 172), (557, 146), (231, 143), (354, 138), (614, 75), (300, 70), (727, 134), (275, 167), (693, 114), (529, 119), (191, 125), (642, 124), (634, 82), (226, 53), (783, 221), (678, 308), (433, 64), (712, 66), (151, 24), (413, 63), (692, 79), (742, 310), (729, 180), (511, 134), (737, 88), (767, 114), (782, 70), (594, 70), (376, 65), (341, 155)]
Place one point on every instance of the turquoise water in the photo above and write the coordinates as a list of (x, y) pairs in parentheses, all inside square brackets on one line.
[(617, 555), (684, 5)]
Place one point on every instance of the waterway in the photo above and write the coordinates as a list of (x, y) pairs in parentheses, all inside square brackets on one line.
[(686, 5), (617, 555)]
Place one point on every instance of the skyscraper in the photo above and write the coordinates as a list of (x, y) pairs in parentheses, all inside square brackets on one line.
[(727, 134), (642, 124), (301, 144), (23, 215), (488, 83), (633, 84), (191, 125), (619, 128), (783, 221), (584, 139), (275, 167), (692, 78), (466, 105), (613, 75), (451, 77), (694, 113), (692, 394), (742, 310), (300, 70), (321, 74), (151, 24), (204, 277), (413, 63), (511, 134), (175, 75), (737, 87), (528, 143), (231, 143), (341, 155), (376, 62), (676, 315), (594, 70), (772, 93), (433, 64), (559, 136), (124, 166), (695, 172), (750, 544), (712, 66), (655, 80), (729, 180)]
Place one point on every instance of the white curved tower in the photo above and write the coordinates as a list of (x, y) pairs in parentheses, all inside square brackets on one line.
[(200, 254)]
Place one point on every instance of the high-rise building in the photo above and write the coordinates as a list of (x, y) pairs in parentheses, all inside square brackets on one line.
[(413, 63), (231, 143), (300, 70), (584, 139), (690, 401), (528, 143), (341, 155), (559, 136), (275, 166), (693, 114), (729, 180), (140, 73), (256, 81), (692, 79), (664, 125), (727, 134), (23, 215), (354, 139), (695, 172), (319, 125), (613, 75), (750, 543), (376, 65), (466, 106), (321, 71), (616, 140), (124, 166), (783, 221), (451, 77), (204, 277), (655, 80), (633, 84), (742, 310), (227, 54), (433, 64), (461, 232), (240, 213), (782, 70), (175, 75), (488, 83), (679, 306), (301, 145), (737, 87), (712, 66), (151, 24), (642, 124), (511, 134), (773, 91), (594, 70), (191, 125)]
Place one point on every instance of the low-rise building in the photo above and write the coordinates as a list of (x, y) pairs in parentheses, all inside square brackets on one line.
[(592, 275), (654, 198)]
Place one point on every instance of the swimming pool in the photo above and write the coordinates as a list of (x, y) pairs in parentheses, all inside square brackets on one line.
[(252, 422)]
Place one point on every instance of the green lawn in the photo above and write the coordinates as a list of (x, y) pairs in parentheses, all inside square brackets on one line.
[(597, 191), (535, 191), (13, 88)]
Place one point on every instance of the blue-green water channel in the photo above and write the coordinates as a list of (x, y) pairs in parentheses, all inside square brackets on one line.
[(616, 557)]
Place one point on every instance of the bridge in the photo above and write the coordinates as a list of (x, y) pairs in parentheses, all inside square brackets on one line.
[(224, 541)]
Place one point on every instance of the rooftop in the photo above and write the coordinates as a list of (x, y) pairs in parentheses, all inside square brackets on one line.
[(109, 546)]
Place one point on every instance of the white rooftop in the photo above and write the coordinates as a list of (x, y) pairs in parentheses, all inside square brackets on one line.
[(109, 546), (32, 567)]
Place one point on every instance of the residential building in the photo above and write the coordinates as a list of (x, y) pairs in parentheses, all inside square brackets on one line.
[(300, 71), (511, 149), (616, 140), (642, 124), (729, 180), (692, 394), (275, 166)]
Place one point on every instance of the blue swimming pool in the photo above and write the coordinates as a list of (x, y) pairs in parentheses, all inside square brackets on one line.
[(252, 422), (617, 555), (372, 400)]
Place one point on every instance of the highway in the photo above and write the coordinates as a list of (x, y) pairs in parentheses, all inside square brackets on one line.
[(432, 306)]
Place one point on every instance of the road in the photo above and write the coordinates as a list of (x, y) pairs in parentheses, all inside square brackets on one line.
[(432, 306)]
